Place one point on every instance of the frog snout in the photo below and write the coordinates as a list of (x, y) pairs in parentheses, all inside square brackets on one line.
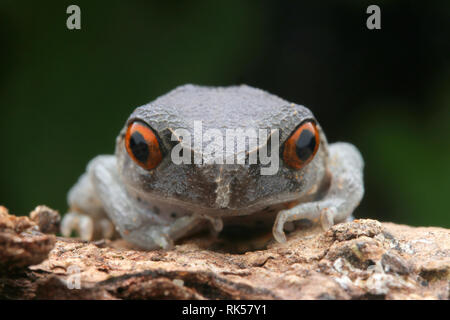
[(230, 183), (223, 188)]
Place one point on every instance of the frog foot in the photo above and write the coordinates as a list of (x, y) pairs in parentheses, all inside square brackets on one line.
[(322, 211), (86, 226)]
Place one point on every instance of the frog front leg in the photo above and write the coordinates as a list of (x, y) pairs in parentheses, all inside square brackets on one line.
[(343, 196), (136, 223), (86, 215)]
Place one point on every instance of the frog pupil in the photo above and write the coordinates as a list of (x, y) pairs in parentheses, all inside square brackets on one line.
[(139, 147), (305, 145)]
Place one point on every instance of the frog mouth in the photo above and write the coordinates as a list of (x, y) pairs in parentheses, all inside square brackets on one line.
[(184, 206)]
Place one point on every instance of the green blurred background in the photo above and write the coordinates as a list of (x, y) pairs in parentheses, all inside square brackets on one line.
[(64, 95)]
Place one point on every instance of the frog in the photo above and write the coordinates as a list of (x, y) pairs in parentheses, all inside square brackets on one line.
[(142, 195)]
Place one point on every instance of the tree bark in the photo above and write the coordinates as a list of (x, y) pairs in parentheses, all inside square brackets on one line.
[(363, 259)]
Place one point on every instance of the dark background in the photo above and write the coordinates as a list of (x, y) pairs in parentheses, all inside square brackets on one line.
[(64, 95)]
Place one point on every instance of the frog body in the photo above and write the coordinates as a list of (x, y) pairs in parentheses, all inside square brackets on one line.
[(142, 193)]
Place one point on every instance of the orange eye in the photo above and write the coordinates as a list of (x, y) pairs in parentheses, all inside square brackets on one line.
[(142, 145), (301, 146)]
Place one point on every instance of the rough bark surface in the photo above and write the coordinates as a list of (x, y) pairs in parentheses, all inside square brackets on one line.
[(363, 259)]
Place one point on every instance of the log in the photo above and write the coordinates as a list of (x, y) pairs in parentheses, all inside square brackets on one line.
[(362, 259)]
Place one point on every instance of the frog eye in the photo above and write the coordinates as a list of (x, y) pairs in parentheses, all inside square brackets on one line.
[(142, 145), (301, 146)]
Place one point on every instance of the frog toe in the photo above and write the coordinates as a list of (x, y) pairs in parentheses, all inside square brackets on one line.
[(327, 217), (80, 223), (107, 228), (278, 228)]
